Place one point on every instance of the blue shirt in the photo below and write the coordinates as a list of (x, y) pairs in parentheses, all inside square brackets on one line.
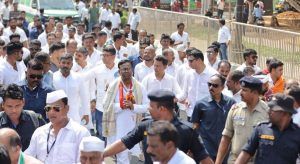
[(34, 33), (257, 12), (211, 116), (274, 146), (135, 59), (35, 99)]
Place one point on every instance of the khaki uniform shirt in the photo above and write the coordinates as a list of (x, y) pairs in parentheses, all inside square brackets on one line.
[(240, 124)]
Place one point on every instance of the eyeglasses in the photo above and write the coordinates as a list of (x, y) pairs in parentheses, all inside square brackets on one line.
[(34, 49), (214, 85), (33, 76), (55, 108)]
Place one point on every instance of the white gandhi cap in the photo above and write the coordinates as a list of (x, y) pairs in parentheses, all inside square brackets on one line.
[(55, 96), (91, 143)]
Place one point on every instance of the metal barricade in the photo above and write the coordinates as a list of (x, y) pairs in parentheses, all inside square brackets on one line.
[(268, 42)]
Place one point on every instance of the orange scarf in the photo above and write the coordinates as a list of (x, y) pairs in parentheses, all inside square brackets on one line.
[(129, 96), (278, 86)]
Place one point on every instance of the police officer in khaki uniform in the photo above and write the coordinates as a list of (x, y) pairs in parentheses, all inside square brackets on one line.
[(242, 118)]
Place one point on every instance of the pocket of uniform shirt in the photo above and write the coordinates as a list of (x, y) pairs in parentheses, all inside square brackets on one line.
[(68, 152), (265, 147)]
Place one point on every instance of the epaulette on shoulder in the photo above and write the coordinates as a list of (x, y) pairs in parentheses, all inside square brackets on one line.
[(263, 122)]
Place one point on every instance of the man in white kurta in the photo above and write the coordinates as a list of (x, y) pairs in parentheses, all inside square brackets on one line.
[(125, 98), (58, 141), (160, 79), (146, 67), (94, 56), (75, 88), (103, 74)]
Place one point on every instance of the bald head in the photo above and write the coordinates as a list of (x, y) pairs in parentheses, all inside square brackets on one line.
[(9, 138)]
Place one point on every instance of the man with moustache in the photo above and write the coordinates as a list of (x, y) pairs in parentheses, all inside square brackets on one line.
[(241, 119), (210, 114), (124, 100), (12, 70), (146, 67), (74, 86), (161, 107), (14, 29), (163, 141), (94, 55), (34, 91), (58, 141)]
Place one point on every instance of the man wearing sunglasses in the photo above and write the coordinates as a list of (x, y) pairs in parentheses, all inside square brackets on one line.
[(34, 92), (13, 116), (241, 119), (58, 141), (250, 58), (210, 114)]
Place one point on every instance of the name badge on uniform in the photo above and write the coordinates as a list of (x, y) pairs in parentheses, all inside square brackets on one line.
[(145, 133), (267, 137)]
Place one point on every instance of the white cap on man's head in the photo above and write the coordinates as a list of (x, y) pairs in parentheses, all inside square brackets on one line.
[(263, 78), (91, 143), (55, 96)]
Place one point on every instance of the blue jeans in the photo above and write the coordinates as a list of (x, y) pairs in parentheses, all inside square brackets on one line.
[(223, 51), (98, 119)]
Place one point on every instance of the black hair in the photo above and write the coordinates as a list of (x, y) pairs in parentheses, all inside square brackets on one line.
[(274, 64), (222, 78), (13, 91), (118, 35), (162, 59), (222, 21), (214, 47), (166, 132), (4, 155), (294, 91), (35, 42), (42, 57), (165, 36), (56, 46), (225, 62), (66, 56), (102, 33), (197, 54), (123, 61), (180, 24), (34, 64), (111, 49), (236, 75), (13, 46), (14, 35), (2, 42), (108, 24), (249, 52)]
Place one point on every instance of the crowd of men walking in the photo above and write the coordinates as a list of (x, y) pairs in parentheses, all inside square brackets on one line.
[(73, 94)]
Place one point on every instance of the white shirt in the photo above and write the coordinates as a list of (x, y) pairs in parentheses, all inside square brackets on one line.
[(243, 66), (79, 5), (176, 55), (115, 19), (221, 4), (172, 69), (5, 12), (78, 99), (66, 29), (141, 71), (78, 39), (94, 58), (84, 13), (181, 74), (108, 32), (214, 65), (8, 75), (104, 13), (45, 48), (296, 117), (196, 88), (121, 53), (181, 157), (237, 97), (133, 20), (103, 77), (184, 38), (66, 147), (224, 34), (7, 32), (168, 82), (43, 39), (26, 52)]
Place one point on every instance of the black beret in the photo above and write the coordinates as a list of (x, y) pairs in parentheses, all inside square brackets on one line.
[(161, 95), (251, 82), (284, 101)]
